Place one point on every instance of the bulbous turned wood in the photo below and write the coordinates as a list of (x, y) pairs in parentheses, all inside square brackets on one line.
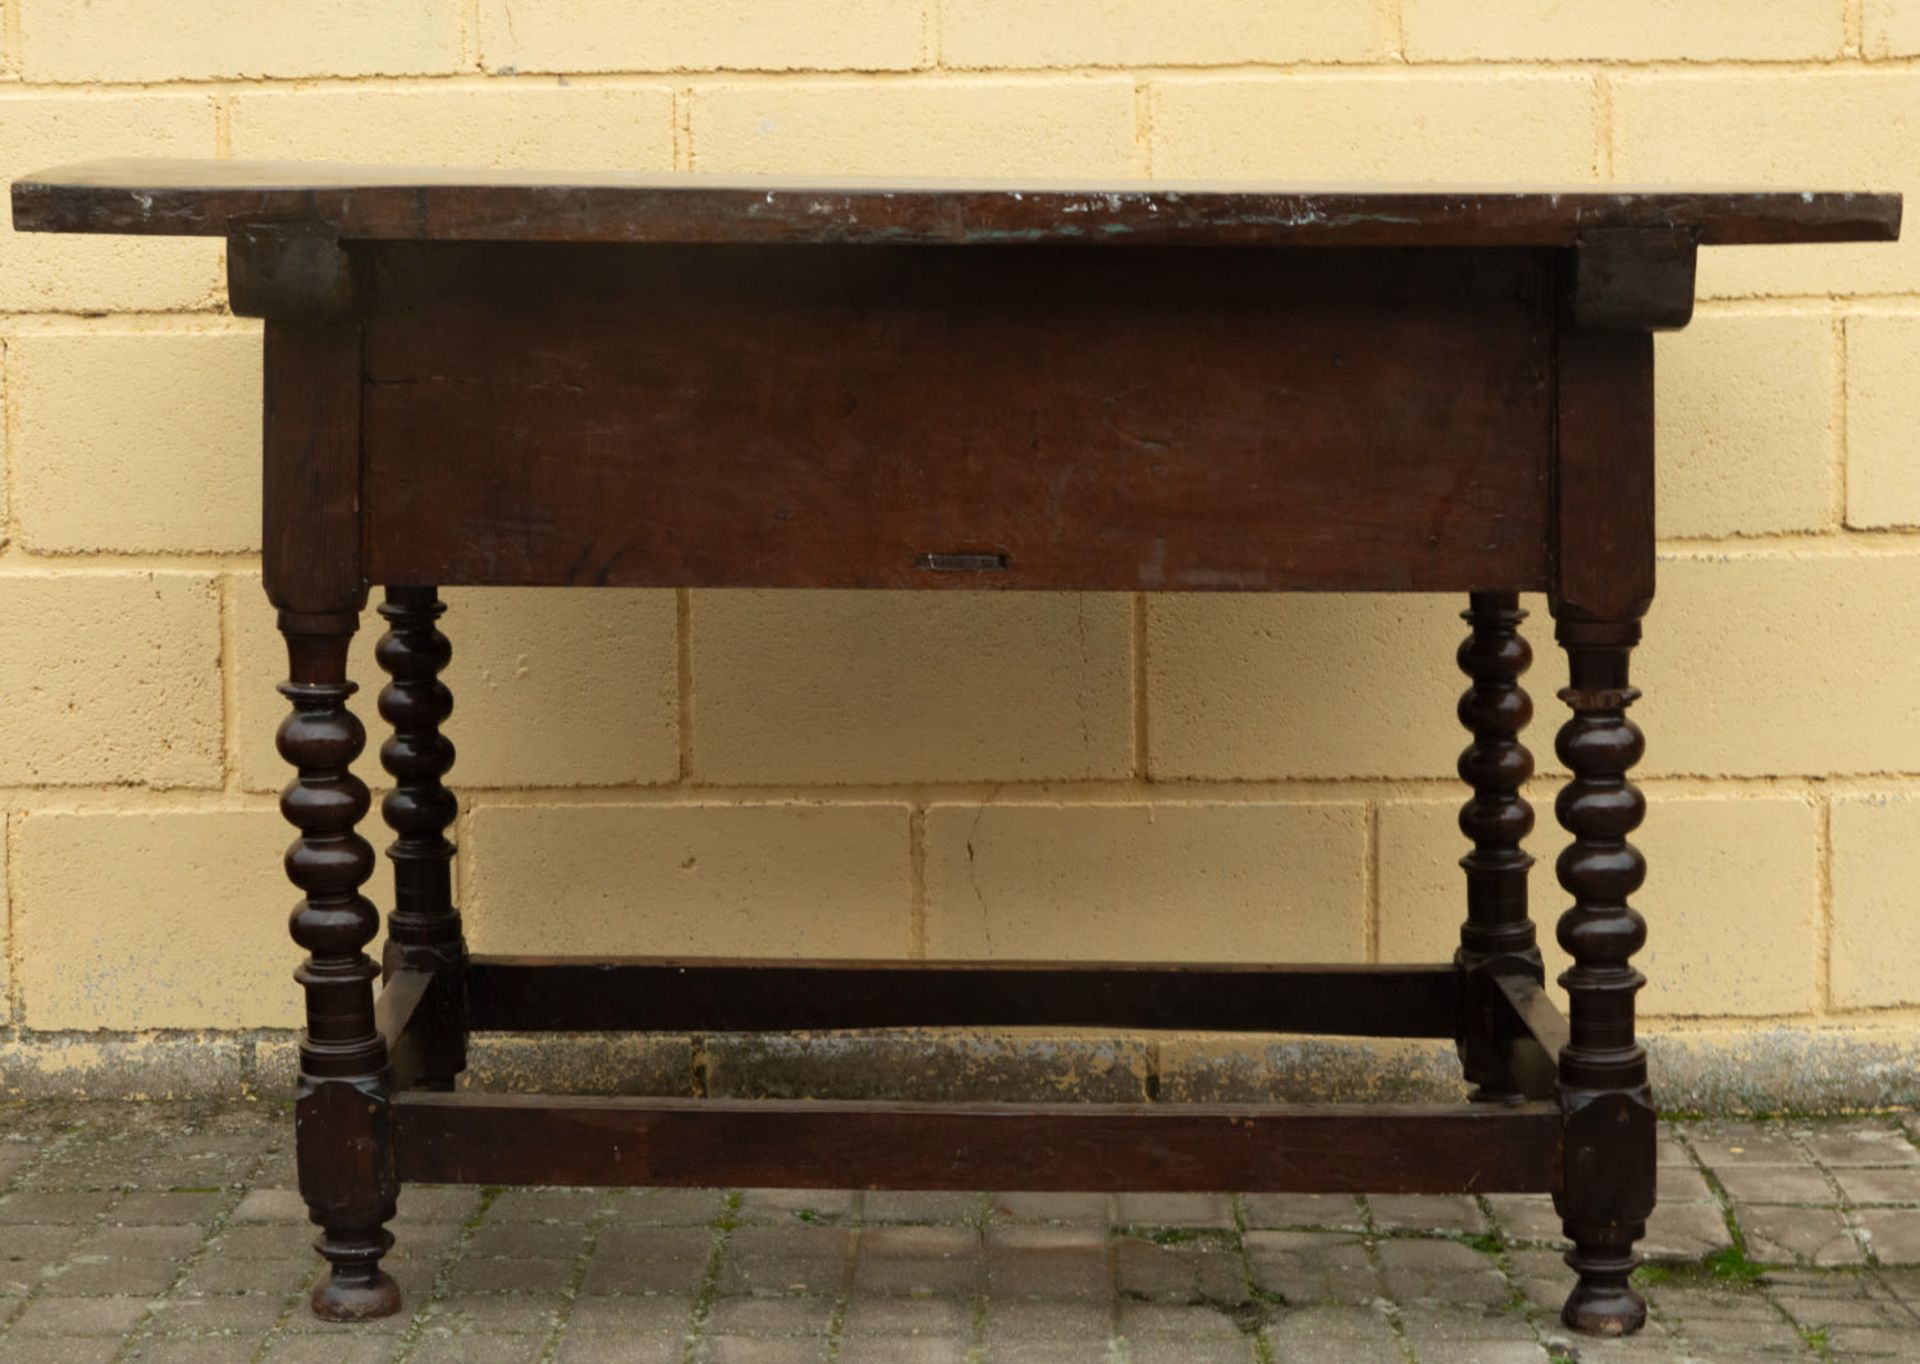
[(1599, 806), (1496, 818), (417, 755), (1495, 709), (424, 931), (1603, 1068), (329, 862), (345, 1150)]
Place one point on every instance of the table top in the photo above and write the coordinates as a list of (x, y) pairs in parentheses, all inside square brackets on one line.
[(205, 198)]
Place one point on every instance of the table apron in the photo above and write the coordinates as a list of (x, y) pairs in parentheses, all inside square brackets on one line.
[(1182, 419)]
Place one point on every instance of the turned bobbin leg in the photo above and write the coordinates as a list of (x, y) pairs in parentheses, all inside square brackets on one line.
[(1609, 1155), (423, 931), (1497, 936), (341, 1113)]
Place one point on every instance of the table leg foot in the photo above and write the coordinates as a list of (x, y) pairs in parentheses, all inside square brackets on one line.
[(355, 1288), (1603, 1303)]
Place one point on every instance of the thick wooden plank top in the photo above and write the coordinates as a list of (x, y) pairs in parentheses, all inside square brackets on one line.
[(206, 198)]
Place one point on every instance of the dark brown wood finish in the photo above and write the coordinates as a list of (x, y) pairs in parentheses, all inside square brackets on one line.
[(846, 418), (496, 377), (1535, 1017), (1531, 1031), (423, 930), (312, 535), (345, 1149), (1603, 584), (312, 559), (174, 198), (402, 1013), (560, 994), (1632, 279), (1609, 1189), (814, 1144), (288, 271), (1603, 475), (1497, 936)]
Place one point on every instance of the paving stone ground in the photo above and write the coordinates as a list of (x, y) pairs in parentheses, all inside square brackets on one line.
[(169, 1232)]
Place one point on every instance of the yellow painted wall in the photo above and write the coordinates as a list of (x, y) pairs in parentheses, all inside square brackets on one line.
[(959, 775)]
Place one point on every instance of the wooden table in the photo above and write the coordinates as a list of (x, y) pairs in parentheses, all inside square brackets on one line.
[(485, 378)]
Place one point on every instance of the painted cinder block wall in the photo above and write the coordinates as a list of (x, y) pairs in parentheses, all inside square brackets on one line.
[(954, 775)]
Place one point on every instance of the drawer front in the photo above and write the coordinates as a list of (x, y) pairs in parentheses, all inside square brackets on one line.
[(1079, 418)]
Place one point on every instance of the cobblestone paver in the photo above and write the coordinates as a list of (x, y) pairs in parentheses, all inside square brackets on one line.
[(169, 1233)]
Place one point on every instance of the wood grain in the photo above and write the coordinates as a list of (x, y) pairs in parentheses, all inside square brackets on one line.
[(312, 559), (1534, 1013), (404, 202), (833, 417), (403, 1013), (822, 1144), (1603, 531)]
